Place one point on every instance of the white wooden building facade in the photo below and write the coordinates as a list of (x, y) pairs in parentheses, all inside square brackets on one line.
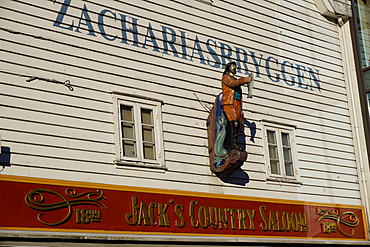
[(79, 79)]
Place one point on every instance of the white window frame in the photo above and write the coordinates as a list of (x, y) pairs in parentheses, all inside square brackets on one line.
[(279, 129), (138, 102)]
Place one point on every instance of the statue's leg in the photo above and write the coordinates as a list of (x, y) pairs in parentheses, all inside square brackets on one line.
[(235, 130), (234, 114)]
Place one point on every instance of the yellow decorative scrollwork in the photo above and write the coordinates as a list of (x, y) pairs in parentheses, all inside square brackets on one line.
[(35, 199), (351, 221)]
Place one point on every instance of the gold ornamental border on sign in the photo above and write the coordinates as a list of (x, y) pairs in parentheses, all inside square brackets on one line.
[(35, 199), (334, 215)]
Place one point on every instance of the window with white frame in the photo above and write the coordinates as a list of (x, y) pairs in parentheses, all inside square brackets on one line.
[(139, 138), (280, 151)]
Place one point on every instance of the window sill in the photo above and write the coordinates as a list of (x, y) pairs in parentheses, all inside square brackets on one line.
[(153, 165), (291, 181)]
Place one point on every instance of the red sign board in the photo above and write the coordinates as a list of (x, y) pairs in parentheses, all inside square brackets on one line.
[(41, 204)]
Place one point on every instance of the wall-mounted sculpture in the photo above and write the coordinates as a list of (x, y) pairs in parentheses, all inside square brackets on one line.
[(225, 122)]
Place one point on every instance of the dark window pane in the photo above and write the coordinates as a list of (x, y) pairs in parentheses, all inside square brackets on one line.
[(128, 130), (285, 139), (367, 78), (287, 154), (271, 137), (289, 169), (146, 116), (127, 113), (149, 151), (273, 152), (274, 164), (129, 148), (148, 134)]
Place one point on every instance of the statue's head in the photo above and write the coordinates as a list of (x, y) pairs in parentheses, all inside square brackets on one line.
[(230, 68)]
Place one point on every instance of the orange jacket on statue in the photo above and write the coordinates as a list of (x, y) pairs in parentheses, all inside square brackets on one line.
[(229, 85)]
